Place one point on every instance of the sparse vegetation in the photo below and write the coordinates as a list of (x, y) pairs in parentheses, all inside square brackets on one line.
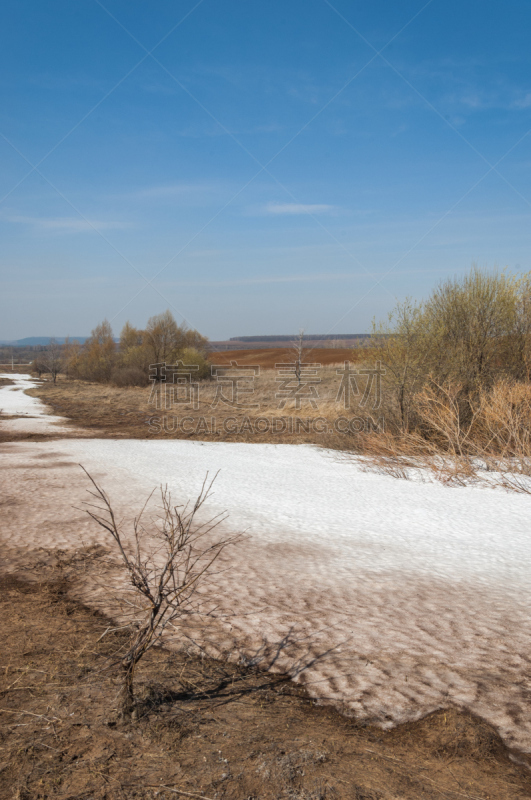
[(457, 401), (456, 387), (165, 565), (127, 411)]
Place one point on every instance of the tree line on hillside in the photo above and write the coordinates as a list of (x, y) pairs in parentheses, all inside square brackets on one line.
[(126, 363)]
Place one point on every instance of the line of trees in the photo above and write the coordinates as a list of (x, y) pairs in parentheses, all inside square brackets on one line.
[(126, 363)]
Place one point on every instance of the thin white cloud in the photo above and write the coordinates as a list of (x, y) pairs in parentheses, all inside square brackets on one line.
[(196, 194), (507, 99), (316, 277), (523, 102), (65, 224), (171, 190), (298, 208), (324, 277)]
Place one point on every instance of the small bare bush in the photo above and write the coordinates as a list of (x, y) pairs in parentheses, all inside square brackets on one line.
[(505, 433), (458, 439), (505, 417), (440, 407), (129, 376), (165, 564)]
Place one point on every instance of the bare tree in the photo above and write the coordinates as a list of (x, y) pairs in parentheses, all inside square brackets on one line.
[(52, 359), (297, 351), (164, 566), (38, 366)]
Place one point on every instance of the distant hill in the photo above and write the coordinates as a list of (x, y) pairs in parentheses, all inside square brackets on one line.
[(235, 343), (42, 341), (340, 341), (309, 337), (32, 341)]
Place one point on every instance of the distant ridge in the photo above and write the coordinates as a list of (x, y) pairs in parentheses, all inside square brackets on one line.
[(344, 340), (307, 337), (42, 341)]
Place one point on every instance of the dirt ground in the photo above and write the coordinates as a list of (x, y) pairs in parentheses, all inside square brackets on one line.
[(204, 728)]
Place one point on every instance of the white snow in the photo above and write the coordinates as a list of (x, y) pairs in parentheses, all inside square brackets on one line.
[(420, 594), (34, 415), (285, 493)]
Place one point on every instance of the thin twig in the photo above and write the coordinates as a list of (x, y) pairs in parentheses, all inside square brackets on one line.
[(177, 791), (41, 716)]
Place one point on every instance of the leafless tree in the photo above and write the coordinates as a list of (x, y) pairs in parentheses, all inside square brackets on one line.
[(164, 565), (38, 366), (297, 351), (52, 359)]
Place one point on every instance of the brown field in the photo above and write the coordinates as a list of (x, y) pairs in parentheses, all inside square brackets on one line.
[(205, 728), (114, 412), (267, 358), (24, 369)]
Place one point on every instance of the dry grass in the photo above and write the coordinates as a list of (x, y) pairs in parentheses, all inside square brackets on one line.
[(492, 446), (205, 728), (138, 413)]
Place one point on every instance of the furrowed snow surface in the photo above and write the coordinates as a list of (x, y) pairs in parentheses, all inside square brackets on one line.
[(409, 595)]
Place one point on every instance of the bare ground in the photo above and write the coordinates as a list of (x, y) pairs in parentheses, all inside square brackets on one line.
[(205, 728)]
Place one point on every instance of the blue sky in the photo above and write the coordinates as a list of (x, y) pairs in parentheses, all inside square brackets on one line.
[(256, 167)]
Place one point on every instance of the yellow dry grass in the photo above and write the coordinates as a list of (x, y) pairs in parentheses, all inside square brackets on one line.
[(269, 407)]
